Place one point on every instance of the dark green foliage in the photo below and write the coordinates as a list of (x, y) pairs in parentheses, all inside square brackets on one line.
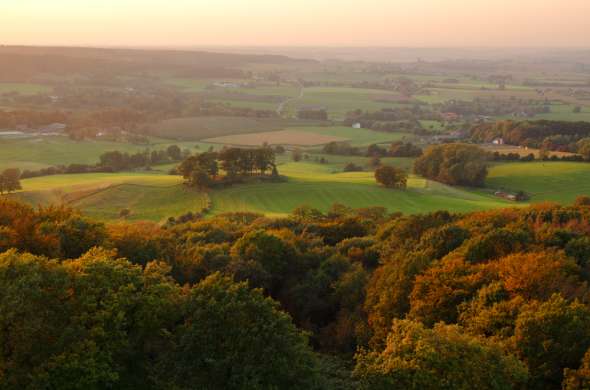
[(454, 164)]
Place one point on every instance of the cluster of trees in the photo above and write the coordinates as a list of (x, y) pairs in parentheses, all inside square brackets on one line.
[(29, 118), (543, 156), (10, 180), (119, 161), (396, 149), (551, 135), (494, 107), (203, 170), (495, 299), (115, 161), (453, 164)]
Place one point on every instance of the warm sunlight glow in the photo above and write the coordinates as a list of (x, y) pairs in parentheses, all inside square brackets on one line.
[(296, 22)]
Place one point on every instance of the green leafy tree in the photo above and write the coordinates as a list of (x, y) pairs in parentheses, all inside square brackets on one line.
[(231, 337), (453, 164), (445, 357), (550, 337)]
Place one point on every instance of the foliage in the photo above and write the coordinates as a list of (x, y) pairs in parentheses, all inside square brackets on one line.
[(415, 357), (391, 177), (454, 164)]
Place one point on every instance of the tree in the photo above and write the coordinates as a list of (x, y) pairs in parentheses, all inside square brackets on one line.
[(10, 180), (232, 337), (551, 336), (578, 379), (391, 177), (174, 152), (297, 155), (453, 164), (444, 357)]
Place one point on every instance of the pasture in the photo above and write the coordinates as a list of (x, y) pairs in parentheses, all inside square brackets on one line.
[(202, 127), (281, 137), (40, 152), (357, 137), (317, 186), (23, 88), (148, 196), (339, 100), (545, 181)]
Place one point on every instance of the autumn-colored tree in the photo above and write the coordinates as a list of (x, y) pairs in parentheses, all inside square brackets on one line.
[(391, 177), (10, 180), (578, 379), (438, 292)]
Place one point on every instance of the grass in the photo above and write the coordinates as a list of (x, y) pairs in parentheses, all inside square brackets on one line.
[(356, 137), (155, 195), (23, 88), (339, 100), (149, 196), (40, 152), (281, 137), (316, 186), (545, 181), (198, 128)]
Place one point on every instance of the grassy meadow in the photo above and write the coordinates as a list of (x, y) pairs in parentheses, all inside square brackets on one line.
[(543, 181), (148, 196), (40, 152)]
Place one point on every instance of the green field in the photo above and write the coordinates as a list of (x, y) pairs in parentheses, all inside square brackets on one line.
[(156, 196), (552, 181), (356, 137), (149, 196), (198, 128), (339, 100), (23, 88), (40, 152), (317, 186)]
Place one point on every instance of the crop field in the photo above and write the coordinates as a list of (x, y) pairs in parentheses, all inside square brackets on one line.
[(198, 128), (356, 137), (545, 181), (281, 137), (40, 152), (148, 196), (339, 100), (23, 88)]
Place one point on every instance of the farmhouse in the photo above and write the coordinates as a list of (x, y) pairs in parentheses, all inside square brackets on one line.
[(356, 125)]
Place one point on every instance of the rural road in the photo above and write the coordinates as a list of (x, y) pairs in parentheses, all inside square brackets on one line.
[(286, 101)]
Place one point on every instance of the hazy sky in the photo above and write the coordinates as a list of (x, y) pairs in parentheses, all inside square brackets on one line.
[(296, 22)]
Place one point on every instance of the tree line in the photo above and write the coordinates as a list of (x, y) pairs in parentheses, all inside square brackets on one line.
[(542, 134), (114, 161)]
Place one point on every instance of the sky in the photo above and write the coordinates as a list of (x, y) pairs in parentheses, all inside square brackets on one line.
[(393, 23)]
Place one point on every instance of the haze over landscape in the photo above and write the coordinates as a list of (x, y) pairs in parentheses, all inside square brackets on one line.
[(416, 23), (306, 195)]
